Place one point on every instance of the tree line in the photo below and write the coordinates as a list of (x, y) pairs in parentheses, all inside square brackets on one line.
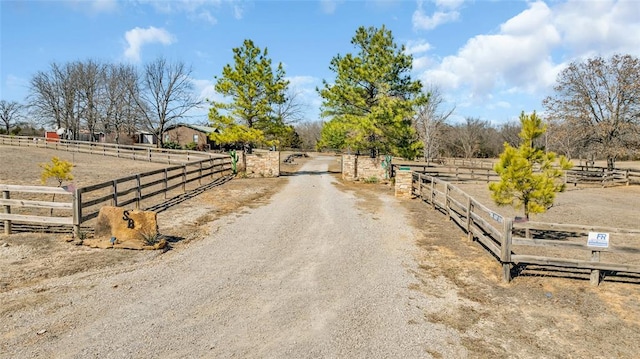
[(116, 99), (372, 106)]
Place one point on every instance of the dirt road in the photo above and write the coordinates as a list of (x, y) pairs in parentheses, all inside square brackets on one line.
[(308, 275)]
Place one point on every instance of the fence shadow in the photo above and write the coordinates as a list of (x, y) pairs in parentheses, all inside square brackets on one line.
[(163, 206)]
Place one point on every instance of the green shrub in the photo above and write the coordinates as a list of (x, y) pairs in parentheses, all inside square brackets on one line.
[(372, 179), (172, 145), (191, 146)]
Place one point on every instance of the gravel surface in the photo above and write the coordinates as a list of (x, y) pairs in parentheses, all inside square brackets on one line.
[(309, 275)]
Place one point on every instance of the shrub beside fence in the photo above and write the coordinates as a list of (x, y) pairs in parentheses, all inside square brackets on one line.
[(537, 244)]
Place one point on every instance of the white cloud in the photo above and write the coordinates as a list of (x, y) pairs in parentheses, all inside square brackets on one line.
[(137, 37), (238, 12), (206, 90), (104, 5), (520, 57), (446, 12), (421, 63), (449, 4), (302, 81), (207, 17), (417, 46), (328, 6), (599, 27), (203, 10), (93, 6)]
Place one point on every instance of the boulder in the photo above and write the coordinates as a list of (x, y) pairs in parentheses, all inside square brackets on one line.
[(117, 227)]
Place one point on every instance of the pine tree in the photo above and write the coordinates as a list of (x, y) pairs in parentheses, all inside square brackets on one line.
[(254, 89), (529, 176), (372, 100)]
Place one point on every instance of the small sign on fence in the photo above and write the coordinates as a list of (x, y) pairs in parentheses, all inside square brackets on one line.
[(496, 217), (600, 240)]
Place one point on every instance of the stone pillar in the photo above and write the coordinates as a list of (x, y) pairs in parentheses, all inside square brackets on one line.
[(263, 164), (349, 167), (403, 182)]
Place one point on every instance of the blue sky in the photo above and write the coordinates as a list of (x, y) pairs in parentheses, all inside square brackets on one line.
[(491, 59)]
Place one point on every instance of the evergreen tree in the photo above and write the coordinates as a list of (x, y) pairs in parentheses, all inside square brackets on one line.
[(254, 89), (372, 100), (528, 175)]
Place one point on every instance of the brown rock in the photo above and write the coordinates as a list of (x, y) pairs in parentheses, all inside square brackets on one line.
[(117, 227)]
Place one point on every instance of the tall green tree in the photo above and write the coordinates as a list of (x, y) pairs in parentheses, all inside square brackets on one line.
[(253, 89), (529, 176), (373, 98)]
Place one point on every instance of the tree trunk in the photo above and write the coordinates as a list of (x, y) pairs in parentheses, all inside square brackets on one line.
[(611, 163)]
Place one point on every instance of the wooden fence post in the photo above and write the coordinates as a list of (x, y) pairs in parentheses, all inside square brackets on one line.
[(200, 174), (114, 201), (447, 206), (165, 183), (139, 191), (77, 212), (211, 167), (469, 209), (505, 249), (595, 273), (184, 178), (433, 204), (7, 210)]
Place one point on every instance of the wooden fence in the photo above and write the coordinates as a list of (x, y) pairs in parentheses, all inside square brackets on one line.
[(8, 202), (86, 202), (602, 176), (139, 153), (537, 244), (451, 172), (578, 175)]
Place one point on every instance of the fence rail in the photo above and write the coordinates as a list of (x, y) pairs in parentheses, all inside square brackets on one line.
[(511, 242), (138, 153), (86, 201)]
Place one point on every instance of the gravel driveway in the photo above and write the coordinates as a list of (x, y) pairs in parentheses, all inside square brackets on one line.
[(309, 275)]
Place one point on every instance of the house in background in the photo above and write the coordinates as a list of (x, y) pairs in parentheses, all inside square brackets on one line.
[(184, 134)]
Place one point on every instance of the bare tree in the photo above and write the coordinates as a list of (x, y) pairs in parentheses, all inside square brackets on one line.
[(164, 94), (510, 133), (310, 133), (600, 100), (90, 84), (429, 122), (468, 139), (45, 100), (292, 110), (120, 111), (562, 139), (66, 83), (10, 113)]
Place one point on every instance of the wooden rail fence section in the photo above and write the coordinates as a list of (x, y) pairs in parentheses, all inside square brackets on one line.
[(501, 235), (577, 175), (139, 153), (85, 202)]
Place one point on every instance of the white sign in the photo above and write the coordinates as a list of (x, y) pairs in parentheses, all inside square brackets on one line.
[(496, 217), (600, 240)]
